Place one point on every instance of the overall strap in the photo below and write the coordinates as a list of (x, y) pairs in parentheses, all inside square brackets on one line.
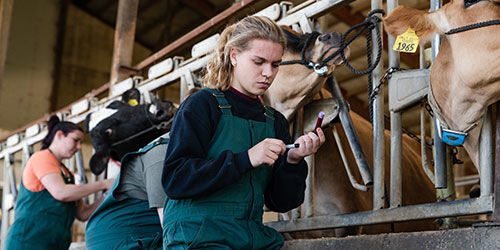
[(269, 113), (224, 106)]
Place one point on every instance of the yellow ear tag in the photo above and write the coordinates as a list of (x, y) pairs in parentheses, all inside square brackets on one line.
[(132, 102), (406, 42)]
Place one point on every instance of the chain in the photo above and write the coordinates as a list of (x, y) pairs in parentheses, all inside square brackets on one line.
[(429, 109), (411, 134)]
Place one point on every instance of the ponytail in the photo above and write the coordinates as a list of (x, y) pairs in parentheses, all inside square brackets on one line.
[(53, 125)]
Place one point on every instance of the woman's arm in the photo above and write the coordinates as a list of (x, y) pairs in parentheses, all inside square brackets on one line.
[(186, 172), (286, 188), (61, 191), (83, 211)]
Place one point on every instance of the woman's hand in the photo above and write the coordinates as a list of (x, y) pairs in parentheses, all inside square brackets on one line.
[(266, 152), (309, 144), (107, 183)]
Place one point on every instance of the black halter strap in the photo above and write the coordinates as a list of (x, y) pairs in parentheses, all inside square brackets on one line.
[(473, 26), (370, 23)]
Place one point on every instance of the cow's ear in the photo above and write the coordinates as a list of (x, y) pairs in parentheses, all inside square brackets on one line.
[(402, 18), (131, 97), (99, 162), (87, 122), (116, 105)]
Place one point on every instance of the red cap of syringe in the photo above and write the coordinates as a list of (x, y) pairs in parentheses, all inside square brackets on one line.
[(321, 115)]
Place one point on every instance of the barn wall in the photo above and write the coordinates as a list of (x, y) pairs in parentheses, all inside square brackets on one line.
[(27, 80), (86, 56), (44, 72)]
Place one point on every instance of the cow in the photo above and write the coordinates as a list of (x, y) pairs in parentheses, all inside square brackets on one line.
[(465, 76), (127, 127), (294, 87)]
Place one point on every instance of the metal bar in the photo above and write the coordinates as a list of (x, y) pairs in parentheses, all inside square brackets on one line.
[(396, 154), (298, 127), (353, 181), (378, 125), (439, 159), (486, 155), (313, 11), (5, 193), (350, 131), (396, 127), (423, 144), (496, 210), (124, 38), (479, 205)]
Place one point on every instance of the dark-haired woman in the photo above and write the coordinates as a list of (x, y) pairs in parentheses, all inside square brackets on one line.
[(49, 200)]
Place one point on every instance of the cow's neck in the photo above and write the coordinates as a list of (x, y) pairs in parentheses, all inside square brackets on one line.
[(461, 95)]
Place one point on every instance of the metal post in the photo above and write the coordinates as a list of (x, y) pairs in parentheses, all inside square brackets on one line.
[(439, 159), (396, 129), (439, 146), (5, 192), (124, 39), (378, 125), (486, 155), (496, 195), (298, 128), (81, 171)]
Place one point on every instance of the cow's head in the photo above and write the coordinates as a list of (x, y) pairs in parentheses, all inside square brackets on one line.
[(465, 77), (127, 129), (296, 85)]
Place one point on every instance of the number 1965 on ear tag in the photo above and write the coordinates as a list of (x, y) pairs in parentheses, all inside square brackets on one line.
[(406, 42)]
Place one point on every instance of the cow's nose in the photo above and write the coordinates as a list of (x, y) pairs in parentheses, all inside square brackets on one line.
[(330, 36), (325, 37)]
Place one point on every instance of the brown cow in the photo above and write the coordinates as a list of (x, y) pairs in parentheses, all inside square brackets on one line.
[(294, 86), (465, 77)]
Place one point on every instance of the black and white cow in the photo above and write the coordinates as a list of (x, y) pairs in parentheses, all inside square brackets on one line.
[(125, 126)]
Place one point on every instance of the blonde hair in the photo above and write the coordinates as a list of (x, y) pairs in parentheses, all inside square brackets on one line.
[(219, 70)]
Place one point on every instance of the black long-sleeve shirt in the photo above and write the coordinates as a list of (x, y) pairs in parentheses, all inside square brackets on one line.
[(188, 174)]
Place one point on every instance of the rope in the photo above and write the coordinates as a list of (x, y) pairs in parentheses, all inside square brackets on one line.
[(371, 22), (473, 26)]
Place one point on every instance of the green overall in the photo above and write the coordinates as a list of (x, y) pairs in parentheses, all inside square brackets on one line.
[(41, 222), (127, 223), (230, 218)]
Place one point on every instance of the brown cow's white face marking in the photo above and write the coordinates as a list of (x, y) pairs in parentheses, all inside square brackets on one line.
[(465, 76)]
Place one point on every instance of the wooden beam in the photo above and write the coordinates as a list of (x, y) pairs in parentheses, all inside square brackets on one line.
[(5, 18), (194, 35), (124, 39)]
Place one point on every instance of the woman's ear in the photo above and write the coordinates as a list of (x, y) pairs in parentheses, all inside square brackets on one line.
[(232, 55), (58, 134)]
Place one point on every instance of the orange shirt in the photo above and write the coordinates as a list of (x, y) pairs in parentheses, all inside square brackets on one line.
[(39, 164)]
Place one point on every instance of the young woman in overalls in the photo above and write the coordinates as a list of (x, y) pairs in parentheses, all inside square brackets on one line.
[(227, 154), (49, 200)]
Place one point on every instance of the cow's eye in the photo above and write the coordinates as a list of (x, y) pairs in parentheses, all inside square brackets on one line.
[(468, 3), (108, 132)]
